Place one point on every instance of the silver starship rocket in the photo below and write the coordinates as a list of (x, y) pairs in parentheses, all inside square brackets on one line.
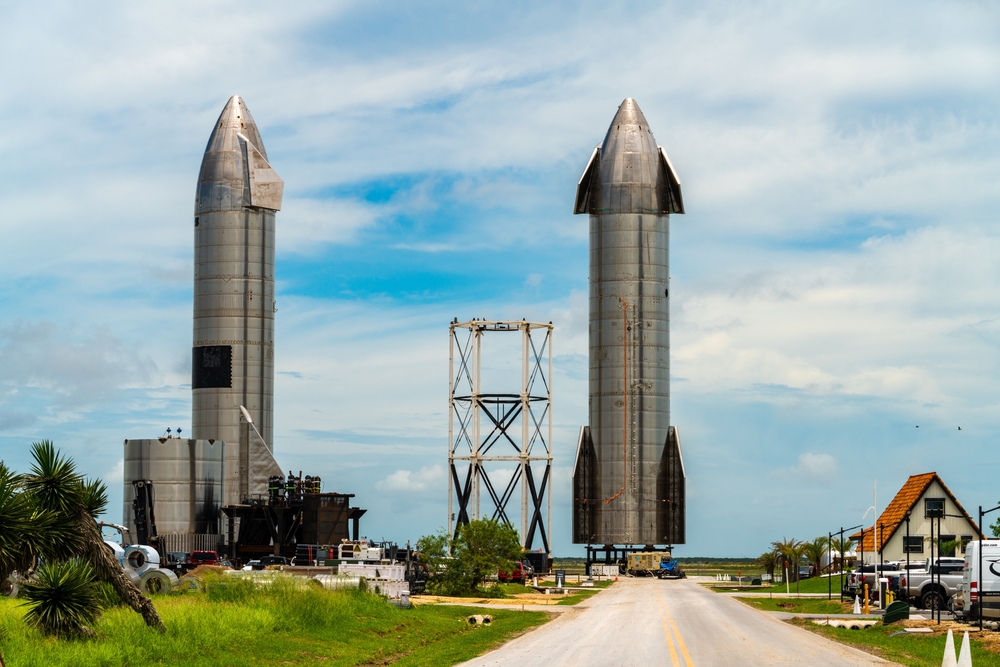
[(233, 353), (628, 478)]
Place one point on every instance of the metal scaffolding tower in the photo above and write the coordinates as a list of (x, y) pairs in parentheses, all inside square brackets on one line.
[(481, 427)]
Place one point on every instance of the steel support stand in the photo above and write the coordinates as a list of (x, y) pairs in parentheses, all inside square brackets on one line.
[(486, 429)]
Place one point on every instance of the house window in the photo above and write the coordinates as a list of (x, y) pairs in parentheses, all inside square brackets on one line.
[(947, 545), (914, 544), (933, 507), (965, 542)]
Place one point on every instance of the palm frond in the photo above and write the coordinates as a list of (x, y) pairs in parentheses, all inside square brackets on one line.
[(95, 497), (53, 481), (16, 527)]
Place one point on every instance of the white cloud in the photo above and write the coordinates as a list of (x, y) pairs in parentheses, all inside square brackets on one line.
[(817, 466), (406, 481), (309, 224), (900, 318), (78, 371), (116, 475)]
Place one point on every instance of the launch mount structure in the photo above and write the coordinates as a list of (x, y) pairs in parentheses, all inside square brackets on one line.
[(491, 429)]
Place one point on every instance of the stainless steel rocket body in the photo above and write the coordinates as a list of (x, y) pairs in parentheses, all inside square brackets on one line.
[(233, 350), (625, 458)]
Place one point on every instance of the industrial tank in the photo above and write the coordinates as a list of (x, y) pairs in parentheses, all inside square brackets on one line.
[(187, 477)]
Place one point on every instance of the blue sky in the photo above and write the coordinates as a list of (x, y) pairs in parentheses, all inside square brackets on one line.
[(835, 280)]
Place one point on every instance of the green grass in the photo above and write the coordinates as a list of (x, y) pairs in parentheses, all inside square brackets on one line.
[(575, 597), (237, 624), (814, 585), (915, 650), (707, 567), (515, 589), (799, 605)]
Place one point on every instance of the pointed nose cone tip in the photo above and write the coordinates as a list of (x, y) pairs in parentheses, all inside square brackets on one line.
[(629, 113), (235, 119)]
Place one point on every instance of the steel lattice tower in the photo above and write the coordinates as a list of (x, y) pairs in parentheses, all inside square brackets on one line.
[(489, 428)]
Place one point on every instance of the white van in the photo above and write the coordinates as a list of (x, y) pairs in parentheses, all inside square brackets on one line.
[(991, 580)]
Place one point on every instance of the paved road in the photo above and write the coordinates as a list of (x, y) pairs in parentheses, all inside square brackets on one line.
[(639, 622)]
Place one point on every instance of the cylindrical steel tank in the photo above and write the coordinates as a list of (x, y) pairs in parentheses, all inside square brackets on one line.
[(187, 477), (629, 190), (233, 351)]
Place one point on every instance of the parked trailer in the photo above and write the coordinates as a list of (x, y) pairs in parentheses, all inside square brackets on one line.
[(653, 564)]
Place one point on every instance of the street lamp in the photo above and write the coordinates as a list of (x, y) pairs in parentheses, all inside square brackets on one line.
[(840, 546)]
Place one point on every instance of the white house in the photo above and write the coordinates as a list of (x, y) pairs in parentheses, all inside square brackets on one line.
[(904, 528)]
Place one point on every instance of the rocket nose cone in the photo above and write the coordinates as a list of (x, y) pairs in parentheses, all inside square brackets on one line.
[(629, 113), (234, 119)]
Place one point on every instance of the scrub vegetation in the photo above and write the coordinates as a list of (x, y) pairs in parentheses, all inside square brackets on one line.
[(240, 623)]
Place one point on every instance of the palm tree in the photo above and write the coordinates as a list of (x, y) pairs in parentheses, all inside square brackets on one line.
[(813, 551), (842, 546), (57, 487), (791, 552), (769, 560), (27, 532)]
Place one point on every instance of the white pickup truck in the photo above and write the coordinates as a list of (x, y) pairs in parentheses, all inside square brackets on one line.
[(931, 588)]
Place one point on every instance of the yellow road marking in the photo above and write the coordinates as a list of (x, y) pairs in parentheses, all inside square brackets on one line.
[(670, 644), (677, 636)]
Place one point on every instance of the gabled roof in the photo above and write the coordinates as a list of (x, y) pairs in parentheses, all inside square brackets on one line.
[(895, 512)]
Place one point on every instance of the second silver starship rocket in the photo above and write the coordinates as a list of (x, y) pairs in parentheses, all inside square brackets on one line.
[(628, 478)]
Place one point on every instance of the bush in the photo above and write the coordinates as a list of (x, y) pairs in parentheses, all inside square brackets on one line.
[(480, 549), (63, 598)]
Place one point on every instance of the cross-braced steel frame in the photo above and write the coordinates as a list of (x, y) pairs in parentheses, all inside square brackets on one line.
[(490, 428)]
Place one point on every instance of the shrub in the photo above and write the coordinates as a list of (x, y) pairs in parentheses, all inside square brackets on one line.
[(479, 550), (63, 598)]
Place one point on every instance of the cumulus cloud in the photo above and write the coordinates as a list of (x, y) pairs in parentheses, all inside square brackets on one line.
[(811, 468), (407, 481), (116, 475), (817, 466), (900, 318), (75, 370), (307, 225)]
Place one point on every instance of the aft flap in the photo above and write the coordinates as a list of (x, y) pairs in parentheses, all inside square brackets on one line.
[(587, 181), (675, 202), (262, 466)]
